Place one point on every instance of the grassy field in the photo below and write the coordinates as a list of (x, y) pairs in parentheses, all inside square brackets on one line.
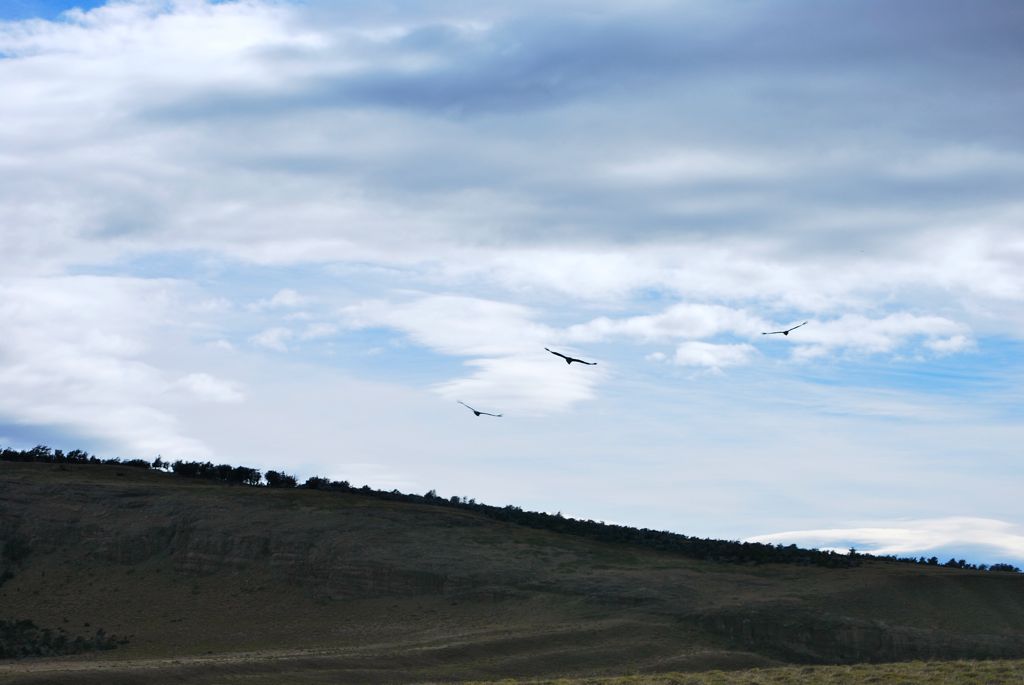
[(995, 672), (303, 670), (212, 583)]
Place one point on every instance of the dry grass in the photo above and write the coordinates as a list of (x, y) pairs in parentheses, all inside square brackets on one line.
[(266, 669), (995, 672), (219, 584)]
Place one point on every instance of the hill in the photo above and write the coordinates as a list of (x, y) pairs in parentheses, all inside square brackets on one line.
[(207, 580)]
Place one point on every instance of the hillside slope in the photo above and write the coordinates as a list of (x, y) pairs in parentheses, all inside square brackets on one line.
[(346, 586)]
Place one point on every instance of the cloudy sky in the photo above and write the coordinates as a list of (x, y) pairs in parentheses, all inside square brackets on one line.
[(293, 234)]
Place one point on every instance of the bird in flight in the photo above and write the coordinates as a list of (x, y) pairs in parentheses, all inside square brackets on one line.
[(570, 360), (478, 413), (785, 332)]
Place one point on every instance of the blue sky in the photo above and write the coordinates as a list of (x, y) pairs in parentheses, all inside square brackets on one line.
[(41, 9), (294, 234)]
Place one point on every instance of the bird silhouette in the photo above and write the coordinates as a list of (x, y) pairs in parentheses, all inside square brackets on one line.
[(570, 360), (785, 332), (478, 413)]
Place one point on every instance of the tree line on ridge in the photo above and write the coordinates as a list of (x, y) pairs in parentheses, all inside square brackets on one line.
[(708, 549)]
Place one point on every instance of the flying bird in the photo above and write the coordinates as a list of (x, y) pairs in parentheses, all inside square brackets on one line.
[(785, 332), (478, 413), (570, 360)]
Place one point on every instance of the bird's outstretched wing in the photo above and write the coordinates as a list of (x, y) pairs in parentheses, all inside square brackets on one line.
[(557, 354), (568, 359), (476, 411), (785, 332)]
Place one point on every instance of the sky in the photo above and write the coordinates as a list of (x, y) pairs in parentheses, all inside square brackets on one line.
[(292, 235)]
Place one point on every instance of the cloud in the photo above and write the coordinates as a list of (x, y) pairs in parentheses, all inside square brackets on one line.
[(859, 333), (273, 338), (506, 344), (315, 331), (209, 388), (686, 321), (482, 180), (444, 144), (76, 352), (950, 345), (712, 356), (454, 324), (369, 153), (694, 166), (855, 333), (282, 299), (525, 384), (913, 538)]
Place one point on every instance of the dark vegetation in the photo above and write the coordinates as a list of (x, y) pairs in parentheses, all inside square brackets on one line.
[(217, 582), (24, 638), (723, 551), (13, 553)]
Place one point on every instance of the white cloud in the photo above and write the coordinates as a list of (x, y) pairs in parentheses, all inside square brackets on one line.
[(712, 356), (273, 338), (207, 387), (316, 331), (282, 299), (511, 367), (957, 161), (950, 345), (595, 185), (152, 155), (526, 384), (222, 345), (853, 332), (214, 305), (862, 334), (76, 354), (804, 352), (286, 298), (456, 325), (915, 537), (681, 321), (694, 166)]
